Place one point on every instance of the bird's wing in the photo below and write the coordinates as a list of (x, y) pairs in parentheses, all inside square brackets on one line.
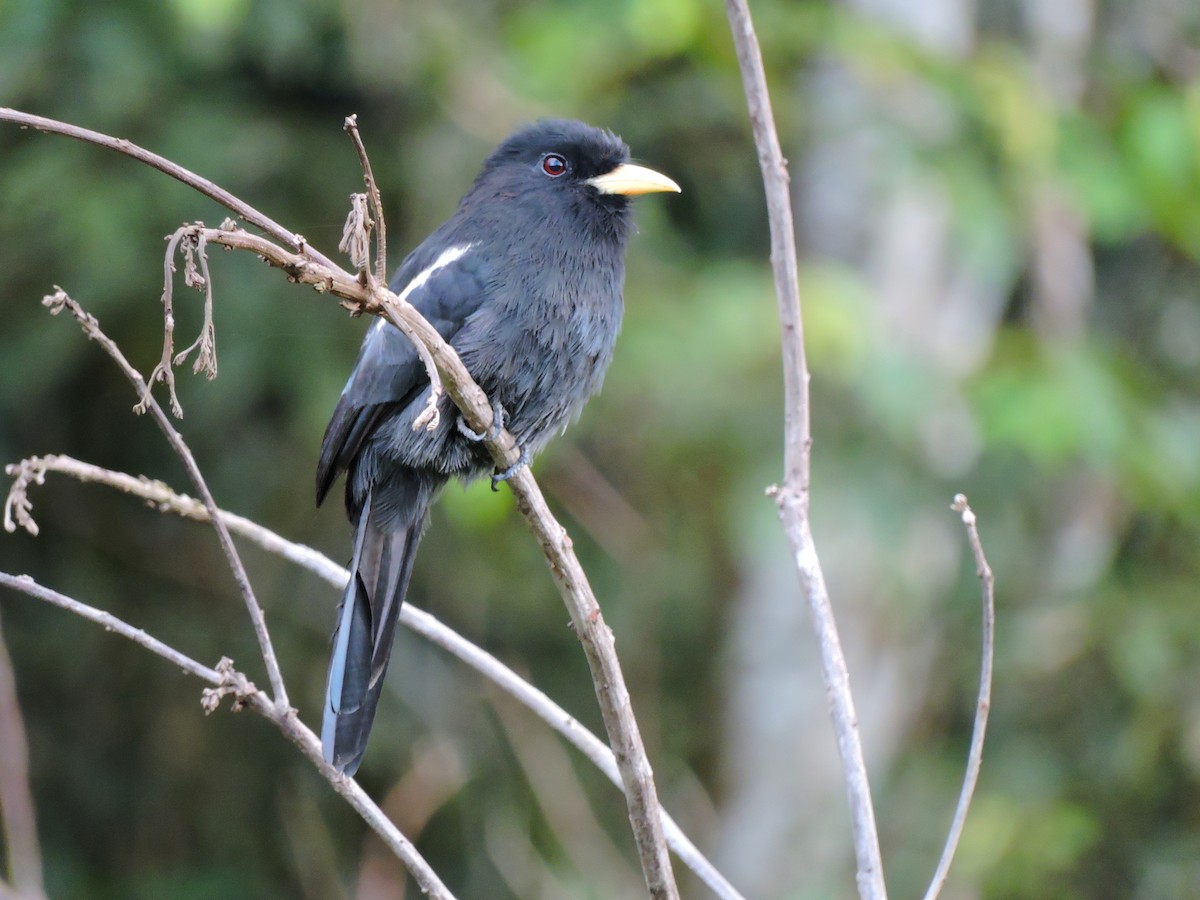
[(445, 291)]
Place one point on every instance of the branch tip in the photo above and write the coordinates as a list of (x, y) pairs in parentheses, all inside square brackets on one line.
[(983, 701), (351, 128)]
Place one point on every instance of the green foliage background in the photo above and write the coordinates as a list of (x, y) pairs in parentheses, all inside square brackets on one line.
[(1000, 216)]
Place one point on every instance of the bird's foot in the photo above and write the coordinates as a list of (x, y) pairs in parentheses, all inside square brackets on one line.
[(508, 473), (493, 431)]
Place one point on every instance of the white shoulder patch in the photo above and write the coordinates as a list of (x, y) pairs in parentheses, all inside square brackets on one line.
[(448, 256)]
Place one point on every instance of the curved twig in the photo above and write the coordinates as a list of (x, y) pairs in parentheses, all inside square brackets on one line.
[(982, 705)]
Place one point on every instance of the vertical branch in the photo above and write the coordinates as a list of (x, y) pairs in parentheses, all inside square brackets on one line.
[(797, 436), (16, 800), (982, 705), (792, 497)]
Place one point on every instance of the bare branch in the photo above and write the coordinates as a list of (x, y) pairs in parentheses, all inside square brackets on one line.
[(793, 495), (615, 705), (238, 207), (56, 303), (226, 680), (16, 798), (26, 585), (982, 705), (351, 127), (161, 497)]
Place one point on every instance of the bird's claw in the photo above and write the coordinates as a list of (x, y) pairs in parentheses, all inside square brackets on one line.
[(493, 431), (499, 476), (466, 431)]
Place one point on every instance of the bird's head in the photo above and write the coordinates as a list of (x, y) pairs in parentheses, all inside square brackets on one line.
[(564, 165)]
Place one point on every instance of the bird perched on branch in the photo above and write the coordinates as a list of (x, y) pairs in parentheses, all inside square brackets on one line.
[(524, 280)]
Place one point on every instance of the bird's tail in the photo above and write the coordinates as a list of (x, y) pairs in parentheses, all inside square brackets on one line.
[(362, 643)]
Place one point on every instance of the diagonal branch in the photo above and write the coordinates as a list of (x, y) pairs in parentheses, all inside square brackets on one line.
[(159, 495), (982, 705), (792, 497), (351, 128), (238, 207), (225, 680), (56, 303)]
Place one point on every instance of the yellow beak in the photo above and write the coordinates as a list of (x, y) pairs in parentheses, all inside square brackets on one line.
[(632, 180)]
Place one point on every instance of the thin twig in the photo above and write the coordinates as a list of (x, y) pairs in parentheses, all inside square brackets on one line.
[(58, 301), (26, 585), (225, 680), (792, 497), (393, 306), (351, 128), (160, 496), (982, 705), (238, 207), (17, 811)]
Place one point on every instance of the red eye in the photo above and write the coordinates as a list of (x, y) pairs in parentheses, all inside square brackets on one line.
[(553, 165)]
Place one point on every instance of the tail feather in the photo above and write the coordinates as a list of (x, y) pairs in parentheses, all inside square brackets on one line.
[(362, 644)]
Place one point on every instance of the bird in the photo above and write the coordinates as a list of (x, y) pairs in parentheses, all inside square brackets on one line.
[(525, 281)]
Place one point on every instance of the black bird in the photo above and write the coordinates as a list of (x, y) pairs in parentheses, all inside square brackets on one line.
[(525, 282)]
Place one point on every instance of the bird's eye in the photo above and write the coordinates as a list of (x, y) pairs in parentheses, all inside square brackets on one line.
[(553, 165)]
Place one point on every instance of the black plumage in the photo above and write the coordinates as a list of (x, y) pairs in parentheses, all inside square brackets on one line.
[(525, 281)]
